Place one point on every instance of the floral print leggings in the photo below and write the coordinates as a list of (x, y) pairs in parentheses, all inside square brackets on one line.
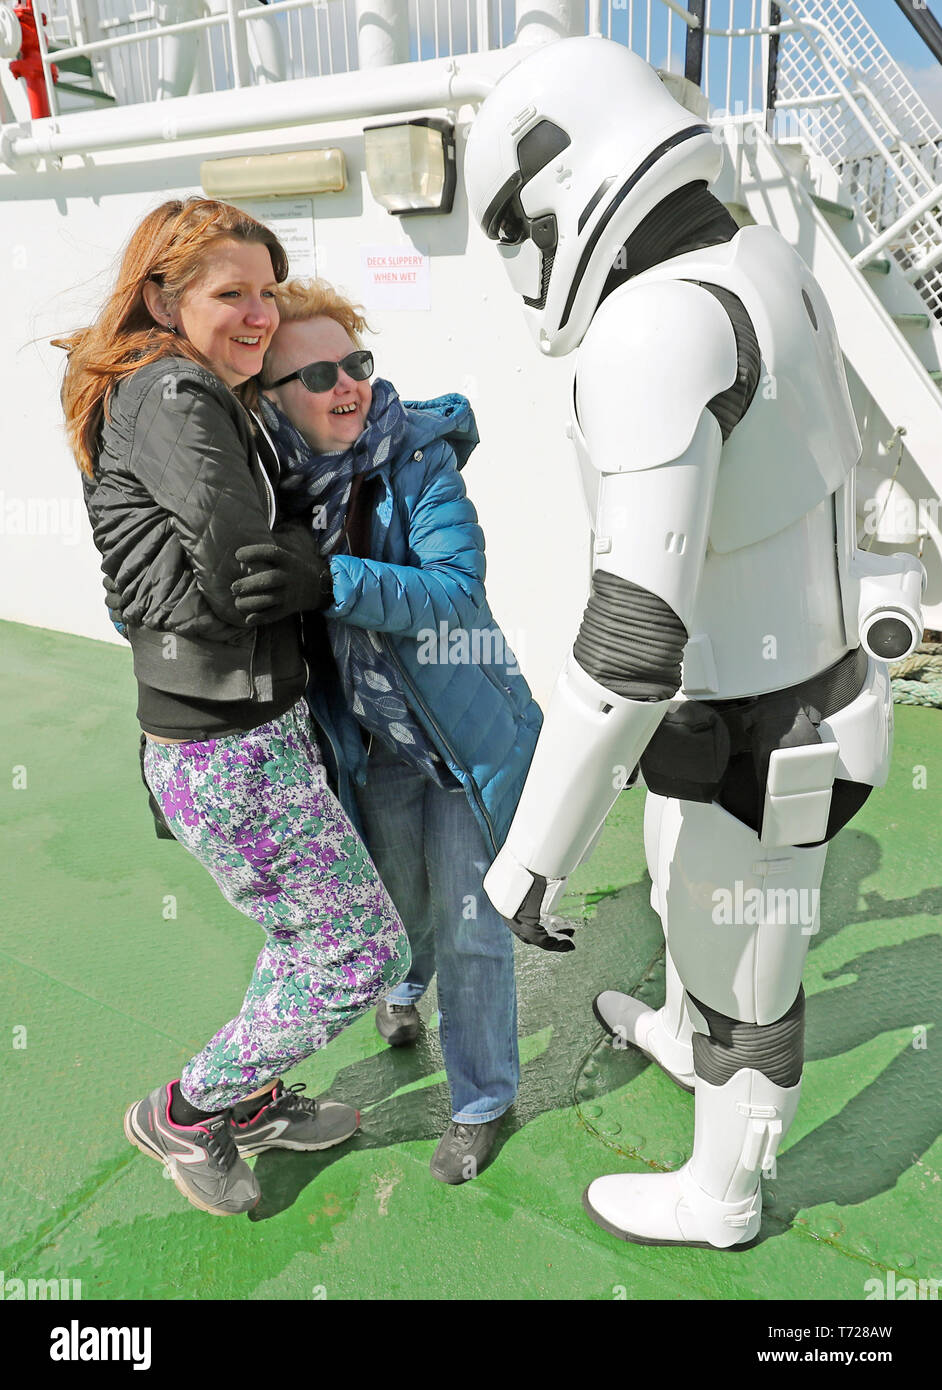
[(256, 811)]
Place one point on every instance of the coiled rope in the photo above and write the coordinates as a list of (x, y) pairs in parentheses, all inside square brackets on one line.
[(917, 679)]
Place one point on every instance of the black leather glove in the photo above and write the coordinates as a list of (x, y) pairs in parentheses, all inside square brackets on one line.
[(526, 922), (288, 576)]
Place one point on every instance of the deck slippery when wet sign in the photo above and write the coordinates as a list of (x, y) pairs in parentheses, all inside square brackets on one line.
[(395, 277)]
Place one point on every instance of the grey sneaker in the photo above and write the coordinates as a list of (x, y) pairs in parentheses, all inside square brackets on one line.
[(202, 1159), (293, 1121), (398, 1024), (463, 1151)]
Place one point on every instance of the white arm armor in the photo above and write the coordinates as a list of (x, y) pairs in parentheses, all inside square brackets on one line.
[(656, 354)]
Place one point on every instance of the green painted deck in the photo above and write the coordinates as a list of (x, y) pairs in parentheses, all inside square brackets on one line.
[(120, 958)]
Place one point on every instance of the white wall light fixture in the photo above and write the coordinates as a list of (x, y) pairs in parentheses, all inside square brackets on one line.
[(284, 175), (410, 165)]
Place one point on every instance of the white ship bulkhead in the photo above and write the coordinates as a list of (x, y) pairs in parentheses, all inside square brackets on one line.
[(73, 187)]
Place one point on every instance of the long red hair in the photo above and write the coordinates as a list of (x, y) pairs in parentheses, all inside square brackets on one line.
[(167, 247)]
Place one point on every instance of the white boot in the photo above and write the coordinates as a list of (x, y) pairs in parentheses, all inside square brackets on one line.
[(662, 1034), (714, 1199)]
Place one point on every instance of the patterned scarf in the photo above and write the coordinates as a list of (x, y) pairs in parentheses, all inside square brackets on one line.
[(319, 484)]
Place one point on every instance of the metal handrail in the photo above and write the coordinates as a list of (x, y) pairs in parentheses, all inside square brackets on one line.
[(806, 22), (184, 25)]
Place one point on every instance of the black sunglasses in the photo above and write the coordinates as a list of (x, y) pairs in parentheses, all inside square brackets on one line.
[(322, 376)]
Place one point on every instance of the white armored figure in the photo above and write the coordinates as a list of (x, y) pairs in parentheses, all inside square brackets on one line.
[(735, 639)]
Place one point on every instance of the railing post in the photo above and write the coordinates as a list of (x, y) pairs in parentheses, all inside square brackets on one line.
[(771, 76), (693, 58), (484, 25), (238, 46)]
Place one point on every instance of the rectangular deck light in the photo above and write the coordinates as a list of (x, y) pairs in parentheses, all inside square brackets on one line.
[(275, 175), (410, 166)]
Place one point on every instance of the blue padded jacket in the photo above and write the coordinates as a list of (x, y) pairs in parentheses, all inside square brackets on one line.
[(423, 591)]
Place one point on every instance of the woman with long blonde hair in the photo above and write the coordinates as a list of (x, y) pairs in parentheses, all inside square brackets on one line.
[(178, 474)]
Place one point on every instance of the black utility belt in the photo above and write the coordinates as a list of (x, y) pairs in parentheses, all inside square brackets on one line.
[(690, 752)]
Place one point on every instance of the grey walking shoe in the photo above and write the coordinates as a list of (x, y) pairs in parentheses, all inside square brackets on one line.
[(293, 1121), (463, 1151), (202, 1159), (398, 1024)]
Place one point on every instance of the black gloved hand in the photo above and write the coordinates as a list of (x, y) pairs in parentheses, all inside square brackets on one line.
[(287, 576), (526, 922)]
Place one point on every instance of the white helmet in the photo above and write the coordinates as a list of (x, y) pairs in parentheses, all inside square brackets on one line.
[(572, 149)]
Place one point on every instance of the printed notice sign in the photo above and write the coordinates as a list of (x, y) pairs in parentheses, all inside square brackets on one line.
[(292, 221), (395, 277)]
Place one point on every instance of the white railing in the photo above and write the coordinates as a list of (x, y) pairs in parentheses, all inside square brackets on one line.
[(317, 37), (733, 73), (312, 38), (839, 90)]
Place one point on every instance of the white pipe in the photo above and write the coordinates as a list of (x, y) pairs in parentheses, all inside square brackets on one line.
[(441, 82), (267, 47), (382, 33), (542, 21), (176, 53), (691, 20)]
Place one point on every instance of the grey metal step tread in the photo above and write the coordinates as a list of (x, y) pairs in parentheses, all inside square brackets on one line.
[(834, 209), (912, 320)]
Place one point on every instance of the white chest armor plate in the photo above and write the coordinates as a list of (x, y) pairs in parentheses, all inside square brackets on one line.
[(769, 610)]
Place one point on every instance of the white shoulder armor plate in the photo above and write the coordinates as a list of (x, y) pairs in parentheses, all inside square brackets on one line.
[(798, 440), (653, 357)]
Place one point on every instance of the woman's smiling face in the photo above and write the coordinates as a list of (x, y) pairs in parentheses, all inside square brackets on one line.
[(328, 420), (229, 313)]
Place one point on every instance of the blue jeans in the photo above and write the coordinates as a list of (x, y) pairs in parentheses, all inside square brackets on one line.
[(432, 858)]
